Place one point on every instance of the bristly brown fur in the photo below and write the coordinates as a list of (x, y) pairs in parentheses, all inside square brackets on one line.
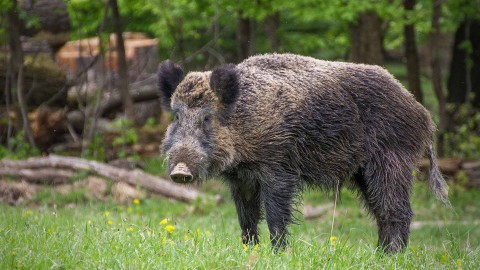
[(295, 121)]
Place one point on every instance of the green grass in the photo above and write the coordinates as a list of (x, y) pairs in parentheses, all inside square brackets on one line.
[(110, 236)]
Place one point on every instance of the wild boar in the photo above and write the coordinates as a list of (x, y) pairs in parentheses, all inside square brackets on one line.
[(277, 123)]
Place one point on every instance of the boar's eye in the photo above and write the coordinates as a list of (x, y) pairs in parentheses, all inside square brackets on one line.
[(207, 118)]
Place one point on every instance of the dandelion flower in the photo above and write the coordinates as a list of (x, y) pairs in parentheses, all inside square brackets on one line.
[(169, 228), (136, 201), (109, 222), (333, 240), (107, 213), (244, 246), (255, 247), (164, 221), (458, 262)]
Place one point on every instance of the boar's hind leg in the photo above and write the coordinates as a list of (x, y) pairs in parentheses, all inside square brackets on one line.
[(385, 184), (247, 202)]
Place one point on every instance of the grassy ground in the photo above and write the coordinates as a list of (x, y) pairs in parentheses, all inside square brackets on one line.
[(206, 236)]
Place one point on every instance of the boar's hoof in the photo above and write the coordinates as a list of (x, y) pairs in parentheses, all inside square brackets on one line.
[(181, 174)]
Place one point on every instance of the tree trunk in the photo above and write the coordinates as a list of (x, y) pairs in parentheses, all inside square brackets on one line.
[(17, 63), (244, 35), (122, 62), (465, 65), (437, 75), (366, 39), (411, 54), (271, 27)]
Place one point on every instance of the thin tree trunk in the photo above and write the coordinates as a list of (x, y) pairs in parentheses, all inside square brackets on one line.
[(17, 60), (122, 62), (437, 75), (411, 54), (244, 33), (465, 64), (367, 40), (271, 27)]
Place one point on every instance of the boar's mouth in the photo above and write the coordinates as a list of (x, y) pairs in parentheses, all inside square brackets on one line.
[(181, 173)]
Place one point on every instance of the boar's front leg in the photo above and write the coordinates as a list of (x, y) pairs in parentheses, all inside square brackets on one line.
[(277, 195), (247, 201)]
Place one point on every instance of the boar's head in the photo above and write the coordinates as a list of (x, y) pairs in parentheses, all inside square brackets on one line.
[(198, 142)]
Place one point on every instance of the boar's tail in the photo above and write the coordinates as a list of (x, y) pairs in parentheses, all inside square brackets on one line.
[(436, 182)]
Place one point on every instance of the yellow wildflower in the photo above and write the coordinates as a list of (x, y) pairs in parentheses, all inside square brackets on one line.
[(89, 222), (187, 237), (244, 246), (109, 222), (458, 262), (255, 247), (107, 213), (130, 229), (14, 253), (164, 221), (136, 201), (333, 240), (169, 228)]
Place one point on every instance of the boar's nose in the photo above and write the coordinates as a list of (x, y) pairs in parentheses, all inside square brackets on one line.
[(181, 173)]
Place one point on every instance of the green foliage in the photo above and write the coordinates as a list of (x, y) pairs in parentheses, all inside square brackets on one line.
[(128, 135), (464, 141), (128, 132), (18, 148), (308, 27), (96, 149), (155, 166)]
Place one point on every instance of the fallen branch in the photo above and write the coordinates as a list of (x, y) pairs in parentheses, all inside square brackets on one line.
[(43, 176), (133, 177), (311, 212)]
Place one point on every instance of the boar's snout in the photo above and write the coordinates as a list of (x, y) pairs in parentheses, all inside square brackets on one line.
[(181, 173)]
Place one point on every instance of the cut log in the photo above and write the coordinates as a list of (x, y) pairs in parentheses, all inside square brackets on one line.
[(133, 177), (448, 166), (472, 169)]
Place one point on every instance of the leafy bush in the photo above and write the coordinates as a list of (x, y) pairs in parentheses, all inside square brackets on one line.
[(18, 148), (464, 140)]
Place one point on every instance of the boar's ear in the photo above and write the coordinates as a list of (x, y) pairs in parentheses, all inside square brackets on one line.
[(224, 82), (169, 76)]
